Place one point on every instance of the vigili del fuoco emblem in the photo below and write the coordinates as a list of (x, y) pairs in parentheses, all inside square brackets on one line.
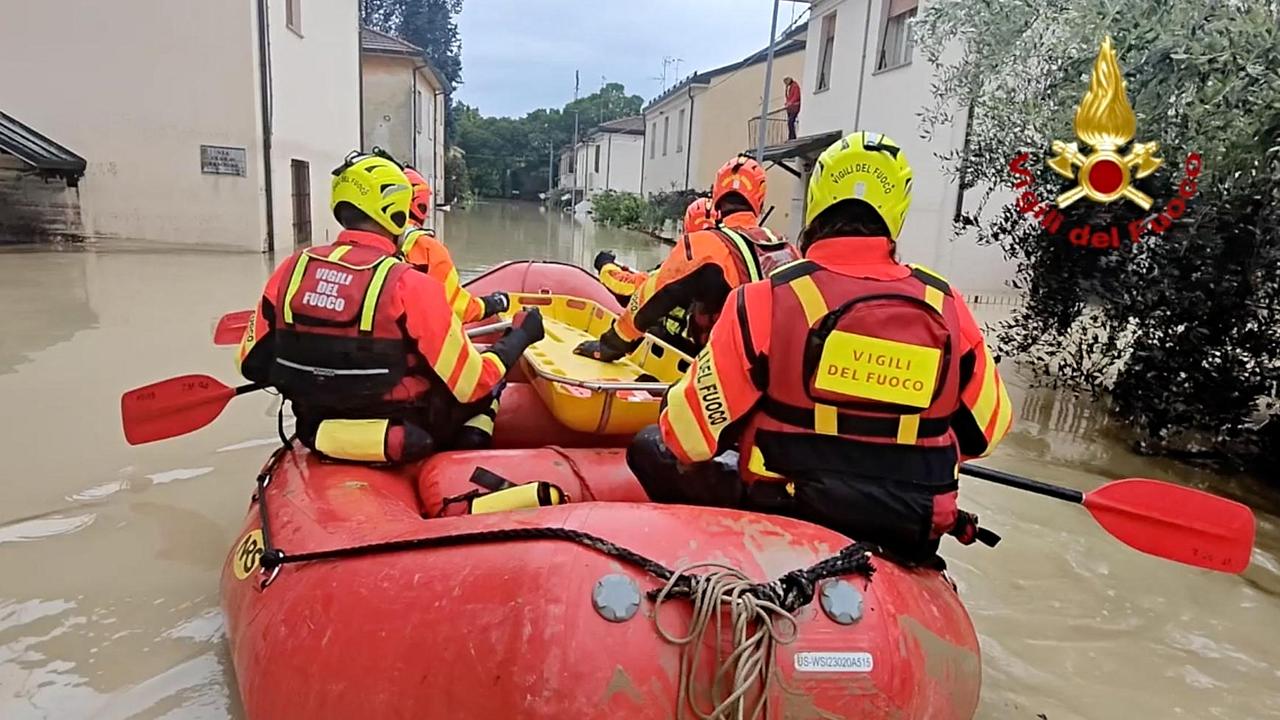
[(1105, 122)]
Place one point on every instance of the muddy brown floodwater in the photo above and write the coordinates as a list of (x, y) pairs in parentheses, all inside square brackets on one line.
[(110, 555)]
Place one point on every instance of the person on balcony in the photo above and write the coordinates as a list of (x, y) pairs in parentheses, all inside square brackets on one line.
[(793, 105)]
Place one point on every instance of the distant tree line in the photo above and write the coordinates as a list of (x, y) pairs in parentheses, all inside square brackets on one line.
[(504, 154)]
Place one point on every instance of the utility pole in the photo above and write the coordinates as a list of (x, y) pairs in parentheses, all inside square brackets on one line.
[(768, 83), (551, 163), (600, 108), (574, 190)]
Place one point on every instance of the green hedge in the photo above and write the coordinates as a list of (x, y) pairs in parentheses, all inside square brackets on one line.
[(635, 212)]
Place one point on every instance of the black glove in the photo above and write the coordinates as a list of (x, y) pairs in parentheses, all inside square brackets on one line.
[(494, 303), (529, 322), (526, 329), (604, 257), (967, 530), (609, 348)]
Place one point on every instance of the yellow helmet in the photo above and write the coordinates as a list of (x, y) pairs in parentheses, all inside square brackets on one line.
[(864, 166), (376, 186)]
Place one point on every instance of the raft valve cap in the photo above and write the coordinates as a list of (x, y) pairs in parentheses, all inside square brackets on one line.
[(616, 597), (842, 602)]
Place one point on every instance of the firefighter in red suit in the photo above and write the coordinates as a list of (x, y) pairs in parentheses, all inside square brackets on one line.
[(849, 386), (367, 349)]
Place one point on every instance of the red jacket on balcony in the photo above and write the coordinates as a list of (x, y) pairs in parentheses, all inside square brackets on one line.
[(793, 96)]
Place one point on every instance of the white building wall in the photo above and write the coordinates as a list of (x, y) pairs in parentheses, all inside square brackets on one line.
[(620, 162), (860, 98), (135, 88), (316, 113), (671, 167)]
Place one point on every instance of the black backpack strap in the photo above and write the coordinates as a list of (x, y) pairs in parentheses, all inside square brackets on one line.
[(930, 278)]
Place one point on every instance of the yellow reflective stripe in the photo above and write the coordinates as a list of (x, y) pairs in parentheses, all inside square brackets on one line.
[(470, 375), (824, 419), (908, 429), (1004, 418), (933, 296), (810, 299), (755, 464), (338, 252), (294, 281), (680, 416), (786, 265), (410, 241), (502, 370), (371, 295), (449, 349), (987, 394), (358, 440), (748, 255), (483, 423)]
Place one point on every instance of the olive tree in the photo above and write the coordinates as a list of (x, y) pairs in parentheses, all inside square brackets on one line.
[(1178, 330)]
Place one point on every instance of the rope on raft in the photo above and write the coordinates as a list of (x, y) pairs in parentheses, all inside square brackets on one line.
[(760, 615)]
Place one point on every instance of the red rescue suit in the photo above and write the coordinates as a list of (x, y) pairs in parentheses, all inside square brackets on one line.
[(852, 387)]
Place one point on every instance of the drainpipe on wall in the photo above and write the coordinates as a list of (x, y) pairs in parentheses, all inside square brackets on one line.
[(264, 81), (644, 148), (608, 163), (360, 69), (439, 116), (688, 145)]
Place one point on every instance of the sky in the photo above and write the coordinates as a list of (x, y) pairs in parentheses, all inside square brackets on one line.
[(520, 55)]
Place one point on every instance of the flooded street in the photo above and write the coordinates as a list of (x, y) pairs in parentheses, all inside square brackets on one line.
[(110, 555)]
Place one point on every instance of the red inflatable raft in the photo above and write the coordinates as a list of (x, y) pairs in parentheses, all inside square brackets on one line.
[(392, 601)]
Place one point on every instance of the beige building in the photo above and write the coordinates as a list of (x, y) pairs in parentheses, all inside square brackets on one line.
[(863, 72), (209, 124), (404, 99), (693, 128)]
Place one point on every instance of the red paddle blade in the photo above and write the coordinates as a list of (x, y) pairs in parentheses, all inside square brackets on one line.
[(231, 327), (172, 407), (1175, 522)]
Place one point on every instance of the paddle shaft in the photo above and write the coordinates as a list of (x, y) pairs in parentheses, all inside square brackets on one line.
[(1021, 483)]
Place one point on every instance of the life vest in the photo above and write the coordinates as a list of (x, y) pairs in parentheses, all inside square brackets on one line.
[(411, 238), (875, 363), (756, 251), (340, 351)]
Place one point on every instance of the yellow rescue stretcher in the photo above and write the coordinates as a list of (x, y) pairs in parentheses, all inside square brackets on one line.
[(587, 395)]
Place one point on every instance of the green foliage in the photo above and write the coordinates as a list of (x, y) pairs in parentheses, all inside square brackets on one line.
[(508, 154), (619, 209), (634, 212), (429, 24), (1180, 330), (457, 180)]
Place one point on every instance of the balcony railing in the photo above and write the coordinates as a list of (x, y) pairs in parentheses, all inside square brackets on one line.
[(775, 129)]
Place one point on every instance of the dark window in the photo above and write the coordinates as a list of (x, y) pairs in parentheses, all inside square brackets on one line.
[(825, 51), (597, 158), (301, 173), (898, 39), (293, 15)]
